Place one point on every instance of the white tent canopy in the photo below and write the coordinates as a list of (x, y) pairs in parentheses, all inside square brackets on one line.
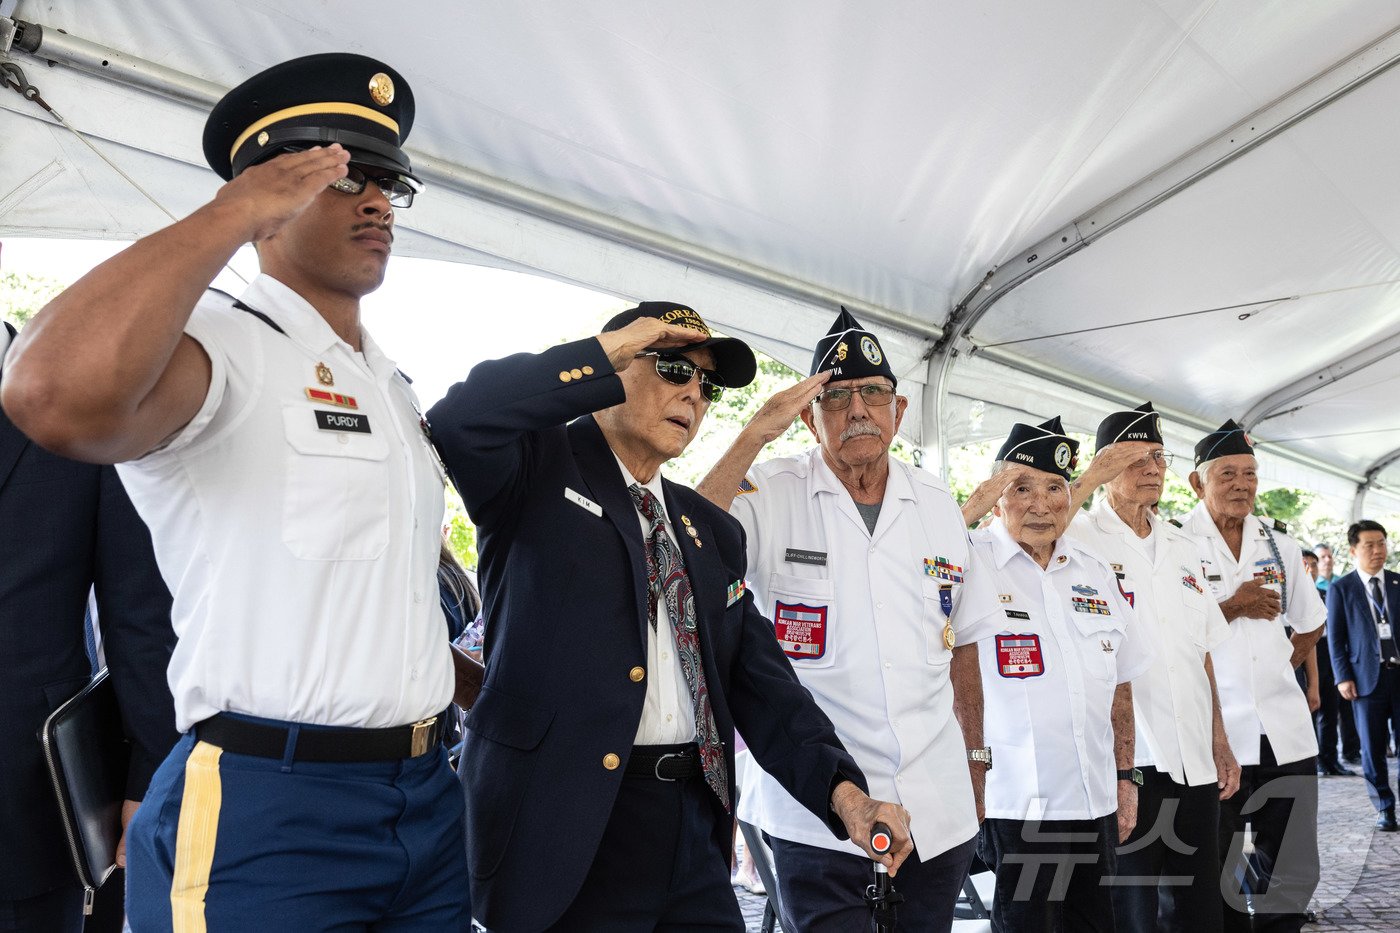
[(1048, 208)]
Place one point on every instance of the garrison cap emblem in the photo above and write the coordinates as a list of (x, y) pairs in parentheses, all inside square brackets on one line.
[(1062, 455), (871, 349)]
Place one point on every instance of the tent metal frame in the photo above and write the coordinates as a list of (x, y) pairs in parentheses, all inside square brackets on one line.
[(950, 340)]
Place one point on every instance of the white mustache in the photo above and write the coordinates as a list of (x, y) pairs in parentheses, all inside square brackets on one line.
[(859, 428)]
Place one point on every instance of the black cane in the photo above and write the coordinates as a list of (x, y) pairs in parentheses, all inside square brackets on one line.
[(881, 896)]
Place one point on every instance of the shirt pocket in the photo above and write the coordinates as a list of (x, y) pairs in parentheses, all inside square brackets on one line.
[(933, 620), (1100, 638), (802, 617), (335, 502)]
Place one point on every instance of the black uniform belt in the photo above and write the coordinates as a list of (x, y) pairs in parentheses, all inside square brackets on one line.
[(665, 762), (322, 744)]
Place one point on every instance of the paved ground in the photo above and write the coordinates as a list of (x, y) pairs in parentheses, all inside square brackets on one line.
[(1360, 889)]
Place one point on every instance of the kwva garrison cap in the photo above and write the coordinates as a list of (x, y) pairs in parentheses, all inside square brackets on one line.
[(1224, 441), (1140, 424), (851, 352), (317, 100), (734, 361), (1041, 447)]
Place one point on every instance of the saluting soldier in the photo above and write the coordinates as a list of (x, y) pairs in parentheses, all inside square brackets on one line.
[(1062, 792), (293, 500), (1255, 571)]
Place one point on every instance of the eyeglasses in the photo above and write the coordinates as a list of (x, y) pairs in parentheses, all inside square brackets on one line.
[(396, 190), (1162, 458), (678, 371), (874, 395)]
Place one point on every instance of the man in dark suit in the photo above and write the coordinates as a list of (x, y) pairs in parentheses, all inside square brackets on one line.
[(1363, 609), (68, 527), (622, 649)]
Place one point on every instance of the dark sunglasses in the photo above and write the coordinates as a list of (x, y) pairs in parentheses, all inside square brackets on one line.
[(874, 395), (678, 371)]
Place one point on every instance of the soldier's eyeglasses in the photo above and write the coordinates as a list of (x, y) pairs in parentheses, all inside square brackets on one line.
[(678, 371), (874, 395), (397, 191)]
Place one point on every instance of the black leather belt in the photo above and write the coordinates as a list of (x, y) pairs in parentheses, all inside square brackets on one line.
[(665, 762), (321, 744)]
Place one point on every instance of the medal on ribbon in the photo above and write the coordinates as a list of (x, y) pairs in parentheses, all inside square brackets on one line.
[(945, 602)]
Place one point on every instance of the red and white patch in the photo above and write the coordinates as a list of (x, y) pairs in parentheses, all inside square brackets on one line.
[(1019, 656), (801, 630)]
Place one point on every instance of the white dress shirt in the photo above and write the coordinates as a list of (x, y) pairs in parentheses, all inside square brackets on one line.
[(1162, 577), (861, 617), (1259, 694), (1064, 638), (668, 713), (299, 538)]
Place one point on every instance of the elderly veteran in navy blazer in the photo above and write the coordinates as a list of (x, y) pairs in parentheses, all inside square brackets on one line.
[(1363, 612), (622, 648)]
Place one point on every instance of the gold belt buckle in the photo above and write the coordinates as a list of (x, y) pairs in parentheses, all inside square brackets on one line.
[(422, 730)]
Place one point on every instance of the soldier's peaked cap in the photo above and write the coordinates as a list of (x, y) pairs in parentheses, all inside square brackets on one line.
[(334, 97)]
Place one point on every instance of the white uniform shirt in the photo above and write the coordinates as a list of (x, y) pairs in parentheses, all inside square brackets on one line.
[(298, 537), (1064, 638), (861, 617), (1162, 577), (1259, 694), (668, 714)]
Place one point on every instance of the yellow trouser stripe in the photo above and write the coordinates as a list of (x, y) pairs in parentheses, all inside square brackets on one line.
[(195, 837)]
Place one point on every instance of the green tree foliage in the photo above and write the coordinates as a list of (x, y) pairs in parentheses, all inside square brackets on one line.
[(21, 295)]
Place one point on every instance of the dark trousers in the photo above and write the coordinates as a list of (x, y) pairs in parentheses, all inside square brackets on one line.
[(56, 911), (1375, 713), (824, 891), (1280, 803), (1333, 716), (1051, 874), (660, 866), (230, 843), (1169, 867)]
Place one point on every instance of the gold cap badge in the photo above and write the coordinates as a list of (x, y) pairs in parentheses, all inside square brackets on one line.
[(263, 138), (381, 89)]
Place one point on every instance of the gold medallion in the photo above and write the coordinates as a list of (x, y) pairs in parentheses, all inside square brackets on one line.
[(948, 639), (324, 375), (381, 89)]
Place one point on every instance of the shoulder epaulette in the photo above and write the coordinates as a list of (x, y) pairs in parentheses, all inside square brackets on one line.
[(1280, 527), (1173, 522)]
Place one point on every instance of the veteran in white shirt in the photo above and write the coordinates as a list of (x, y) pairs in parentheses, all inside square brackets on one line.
[(862, 562), (1256, 573), (1059, 706), (1169, 868)]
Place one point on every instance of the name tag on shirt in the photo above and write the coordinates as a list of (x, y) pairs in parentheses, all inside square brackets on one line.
[(342, 421), (797, 556), (583, 502), (1017, 614)]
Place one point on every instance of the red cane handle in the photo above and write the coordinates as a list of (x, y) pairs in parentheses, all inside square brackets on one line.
[(881, 841)]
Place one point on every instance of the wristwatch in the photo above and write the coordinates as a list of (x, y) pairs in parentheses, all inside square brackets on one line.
[(983, 754), (1133, 775)]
